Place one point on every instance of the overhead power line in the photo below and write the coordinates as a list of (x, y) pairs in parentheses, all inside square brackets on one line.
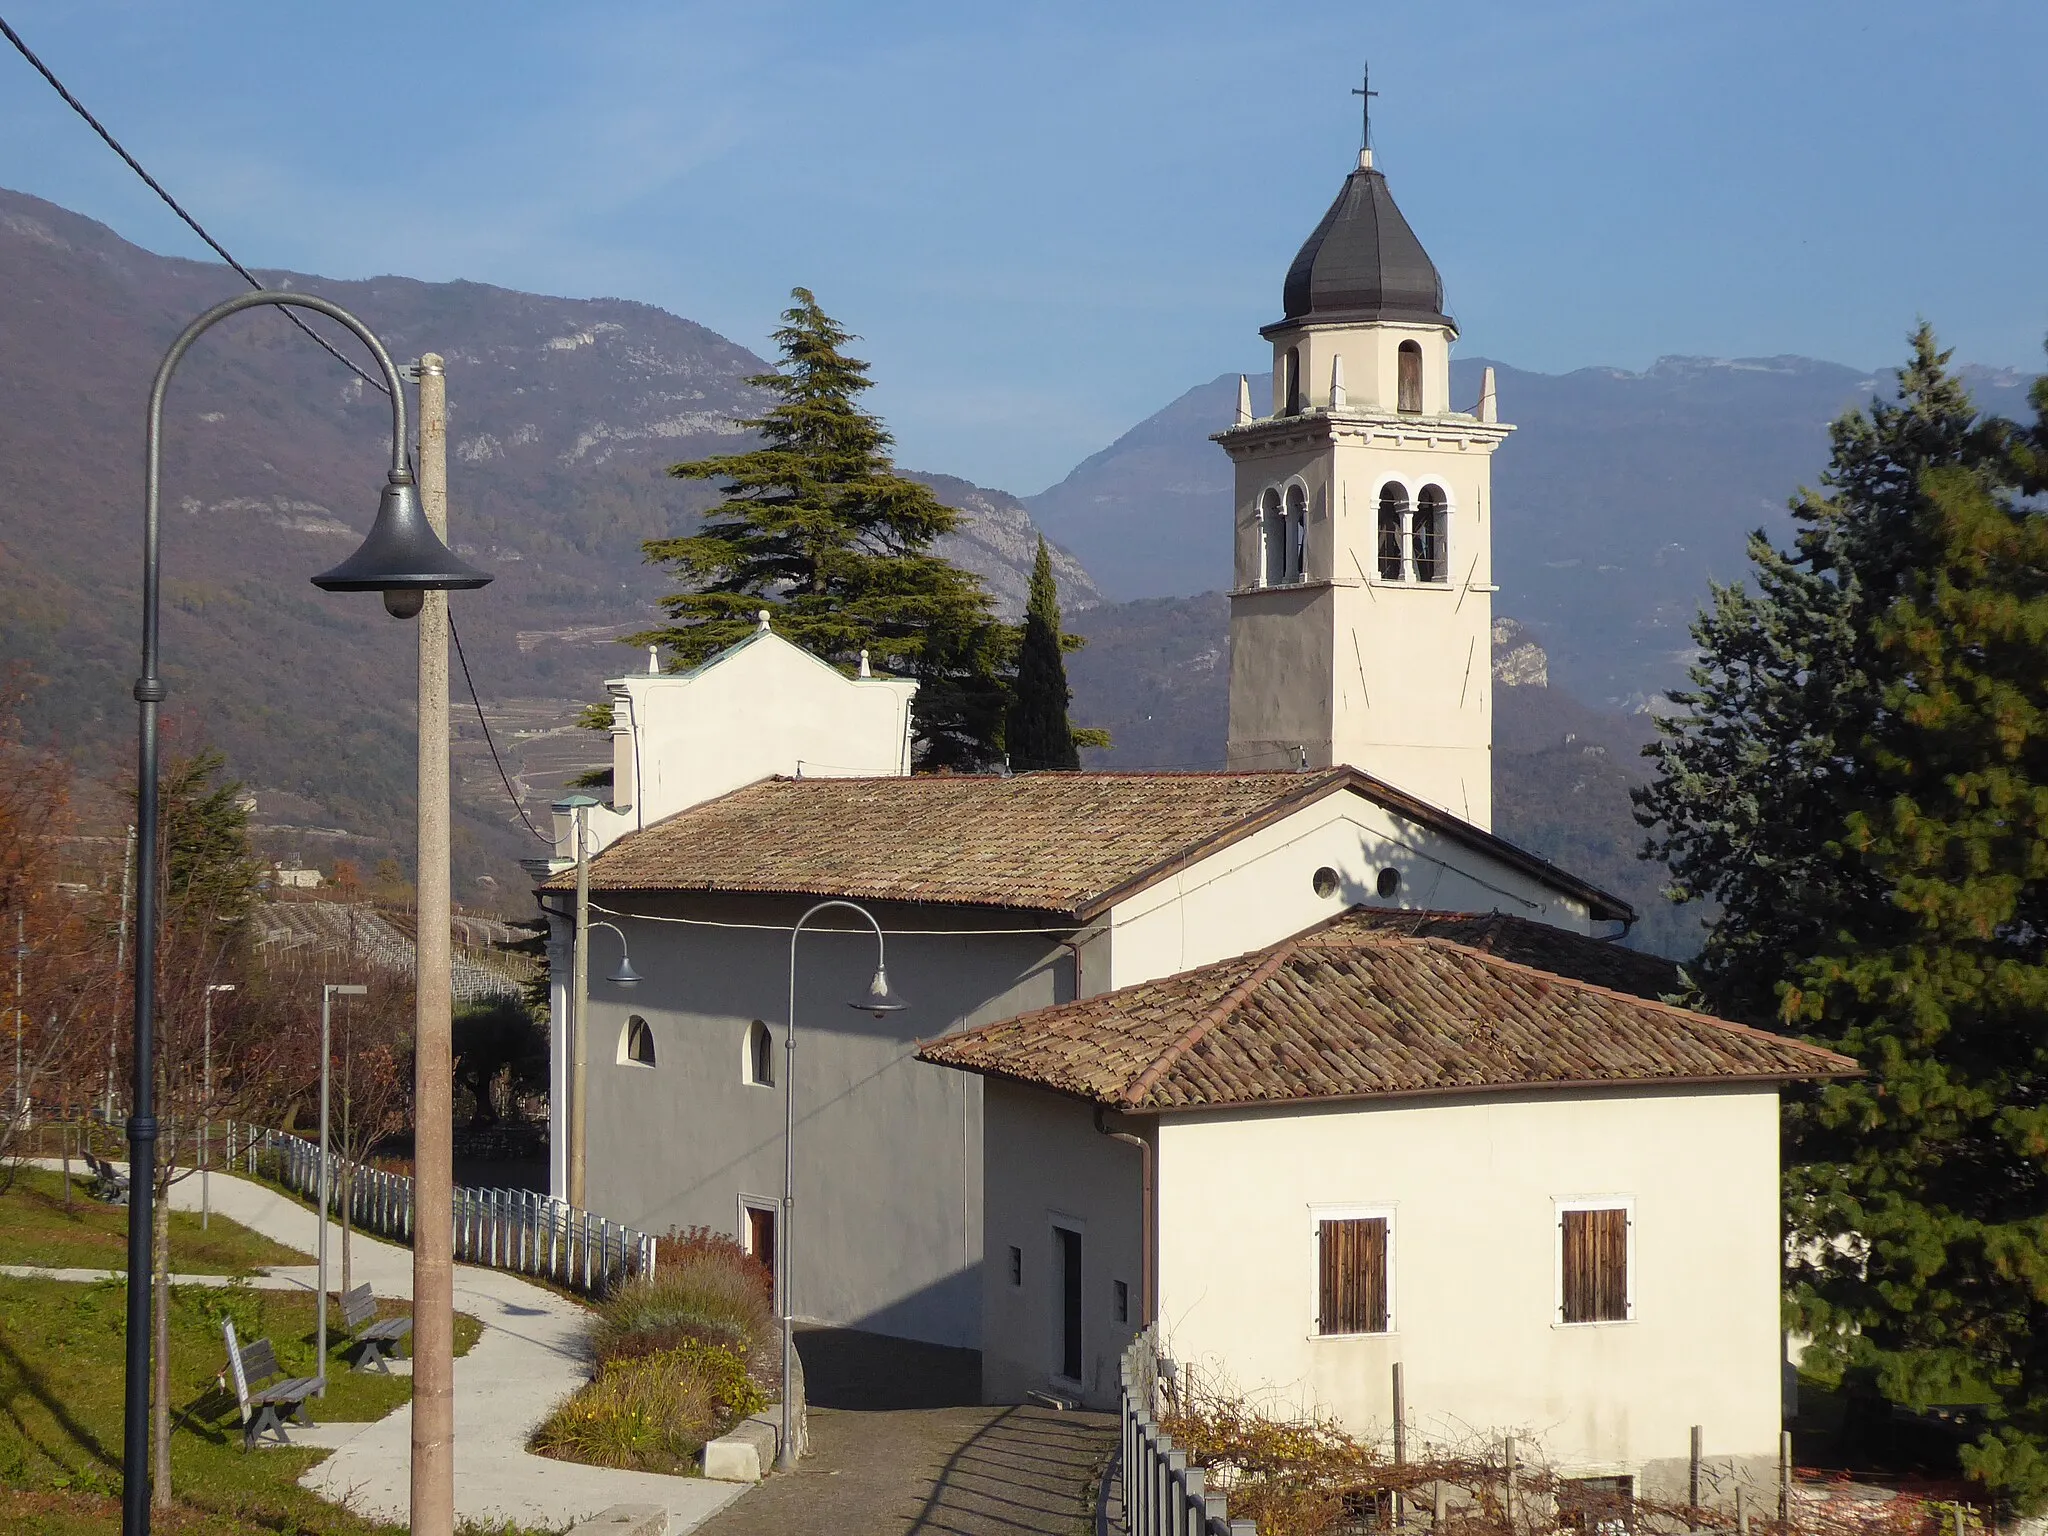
[(172, 203), (254, 281)]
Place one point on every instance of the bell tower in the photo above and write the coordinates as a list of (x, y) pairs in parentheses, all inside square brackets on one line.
[(1361, 608)]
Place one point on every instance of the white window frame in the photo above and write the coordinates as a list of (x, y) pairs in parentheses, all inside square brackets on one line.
[(1382, 1211), (625, 1058), (1450, 518), (1559, 1205), (1294, 562), (773, 1207), (1408, 494)]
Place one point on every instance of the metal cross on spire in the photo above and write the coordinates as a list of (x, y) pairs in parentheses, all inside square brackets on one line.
[(1364, 89)]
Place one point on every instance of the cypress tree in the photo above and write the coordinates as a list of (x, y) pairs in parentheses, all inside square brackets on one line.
[(817, 527), (1039, 735)]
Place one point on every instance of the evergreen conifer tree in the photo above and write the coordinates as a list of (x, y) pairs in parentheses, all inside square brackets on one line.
[(1860, 776), (1921, 1191), (1039, 735), (817, 527), (1760, 755)]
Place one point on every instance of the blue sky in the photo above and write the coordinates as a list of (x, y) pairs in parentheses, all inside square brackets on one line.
[(1046, 221)]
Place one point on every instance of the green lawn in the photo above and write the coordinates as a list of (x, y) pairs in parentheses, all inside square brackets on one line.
[(35, 1228), (60, 1411)]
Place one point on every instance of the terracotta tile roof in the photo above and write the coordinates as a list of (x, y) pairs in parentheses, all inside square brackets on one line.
[(1070, 843), (1341, 1013), (1556, 950)]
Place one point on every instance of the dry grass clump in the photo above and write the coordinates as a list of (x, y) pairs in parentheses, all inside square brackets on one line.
[(651, 1414), (681, 1356), (704, 1293)]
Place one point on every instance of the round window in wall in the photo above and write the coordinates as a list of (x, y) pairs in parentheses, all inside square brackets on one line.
[(1390, 881), (1325, 882)]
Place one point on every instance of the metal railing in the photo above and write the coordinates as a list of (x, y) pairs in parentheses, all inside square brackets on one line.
[(511, 1229), (1162, 1494)]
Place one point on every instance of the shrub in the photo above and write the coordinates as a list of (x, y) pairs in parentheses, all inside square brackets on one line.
[(681, 1245), (649, 1415), (708, 1296)]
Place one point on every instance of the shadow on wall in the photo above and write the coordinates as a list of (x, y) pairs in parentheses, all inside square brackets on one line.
[(867, 1372)]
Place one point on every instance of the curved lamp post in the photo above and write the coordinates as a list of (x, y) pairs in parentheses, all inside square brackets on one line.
[(881, 1002), (625, 975), (404, 559)]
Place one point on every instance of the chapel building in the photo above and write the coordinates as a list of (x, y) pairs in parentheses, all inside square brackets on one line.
[(1297, 1062)]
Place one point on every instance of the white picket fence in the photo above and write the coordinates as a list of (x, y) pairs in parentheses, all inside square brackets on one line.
[(1162, 1494), (513, 1229)]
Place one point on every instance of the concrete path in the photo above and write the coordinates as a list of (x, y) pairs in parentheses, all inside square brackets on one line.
[(1015, 1471), (528, 1360)]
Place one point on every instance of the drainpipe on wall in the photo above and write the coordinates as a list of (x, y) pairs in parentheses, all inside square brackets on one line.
[(1148, 1299)]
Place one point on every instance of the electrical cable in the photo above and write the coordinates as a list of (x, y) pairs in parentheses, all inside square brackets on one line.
[(503, 777), (172, 203)]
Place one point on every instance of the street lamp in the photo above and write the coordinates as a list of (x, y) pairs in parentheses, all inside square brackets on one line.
[(329, 991), (206, 1108), (625, 975), (402, 558), (880, 1002)]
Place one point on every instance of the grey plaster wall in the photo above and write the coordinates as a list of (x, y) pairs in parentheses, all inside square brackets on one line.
[(887, 1224), (1047, 1164)]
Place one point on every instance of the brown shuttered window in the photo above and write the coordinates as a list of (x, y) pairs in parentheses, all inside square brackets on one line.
[(1595, 1266), (1352, 1266)]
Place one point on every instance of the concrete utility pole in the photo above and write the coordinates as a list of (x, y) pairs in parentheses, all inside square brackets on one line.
[(433, 1252), (579, 1004)]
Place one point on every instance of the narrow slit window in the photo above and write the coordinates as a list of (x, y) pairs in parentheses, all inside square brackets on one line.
[(1351, 1265), (1595, 1265), (760, 1055), (1432, 557), (1293, 381), (1410, 398), (1393, 514)]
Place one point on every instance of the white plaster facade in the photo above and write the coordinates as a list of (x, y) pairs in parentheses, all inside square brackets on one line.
[(760, 707), (1472, 1188)]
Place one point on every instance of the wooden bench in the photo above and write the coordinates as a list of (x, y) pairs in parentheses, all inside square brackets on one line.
[(109, 1183), (374, 1337), (262, 1388)]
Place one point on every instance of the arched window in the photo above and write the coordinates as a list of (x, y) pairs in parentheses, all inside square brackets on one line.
[(1410, 398), (760, 1062), (636, 1043), (1293, 381), (1272, 540), (1297, 531), (1393, 539), (1432, 552)]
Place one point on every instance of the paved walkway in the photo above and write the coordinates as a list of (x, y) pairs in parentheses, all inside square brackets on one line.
[(1016, 1471), (528, 1359)]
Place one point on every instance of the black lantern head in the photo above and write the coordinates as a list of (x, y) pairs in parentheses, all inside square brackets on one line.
[(403, 557)]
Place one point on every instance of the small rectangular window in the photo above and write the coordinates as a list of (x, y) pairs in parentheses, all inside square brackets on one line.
[(1594, 1265), (1123, 1302), (1016, 1266), (1352, 1275), (1596, 1506)]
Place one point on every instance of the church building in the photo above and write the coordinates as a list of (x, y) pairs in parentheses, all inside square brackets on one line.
[(1297, 1060)]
